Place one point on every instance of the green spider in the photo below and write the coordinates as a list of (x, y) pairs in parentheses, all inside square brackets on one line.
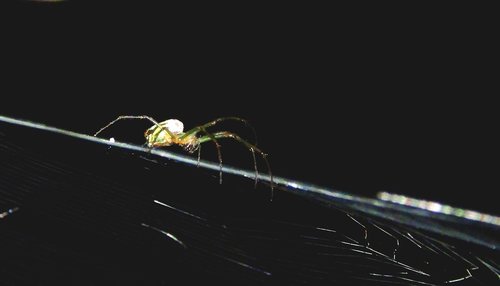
[(171, 132)]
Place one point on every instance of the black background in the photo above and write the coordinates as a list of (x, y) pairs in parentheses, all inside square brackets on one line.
[(359, 98)]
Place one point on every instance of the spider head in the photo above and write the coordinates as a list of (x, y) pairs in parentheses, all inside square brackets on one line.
[(190, 143)]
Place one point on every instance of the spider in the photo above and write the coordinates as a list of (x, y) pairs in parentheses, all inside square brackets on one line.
[(171, 132)]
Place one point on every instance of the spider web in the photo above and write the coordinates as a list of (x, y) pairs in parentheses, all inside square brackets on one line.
[(78, 209)]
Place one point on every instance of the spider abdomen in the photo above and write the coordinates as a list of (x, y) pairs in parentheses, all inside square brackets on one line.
[(158, 137)]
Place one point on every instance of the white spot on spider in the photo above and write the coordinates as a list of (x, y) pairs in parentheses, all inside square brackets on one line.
[(175, 126), (112, 139)]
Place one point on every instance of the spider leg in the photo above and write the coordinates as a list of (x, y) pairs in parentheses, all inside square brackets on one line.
[(135, 117), (216, 121), (199, 156), (255, 167), (211, 137), (252, 148)]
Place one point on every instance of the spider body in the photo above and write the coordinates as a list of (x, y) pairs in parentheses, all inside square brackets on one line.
[(171, 132), (158, 136)]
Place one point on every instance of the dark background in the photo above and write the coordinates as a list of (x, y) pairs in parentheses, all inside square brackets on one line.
[(360, 98)]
